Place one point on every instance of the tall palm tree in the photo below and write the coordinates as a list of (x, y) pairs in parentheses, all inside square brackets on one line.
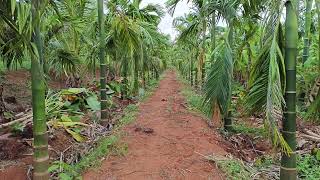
[(197, 28), (103, 65), (307, 26), (288, 160)]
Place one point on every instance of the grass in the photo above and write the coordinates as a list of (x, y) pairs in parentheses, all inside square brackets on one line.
[(243, 128), (193, 98), (26, 64), (308, 167), (232, 168), (110, 145)]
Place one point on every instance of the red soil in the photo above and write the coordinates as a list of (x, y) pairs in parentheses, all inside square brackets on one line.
[(164, 142)]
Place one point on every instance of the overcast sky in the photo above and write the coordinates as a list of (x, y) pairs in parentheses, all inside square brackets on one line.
[(166, 22)]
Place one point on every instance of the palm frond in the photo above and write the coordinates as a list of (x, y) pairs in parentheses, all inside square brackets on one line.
[(217, 88)]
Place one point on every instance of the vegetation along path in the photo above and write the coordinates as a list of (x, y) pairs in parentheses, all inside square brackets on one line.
[(165, 142)]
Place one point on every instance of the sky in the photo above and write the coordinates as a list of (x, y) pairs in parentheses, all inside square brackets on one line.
[(165, 25)]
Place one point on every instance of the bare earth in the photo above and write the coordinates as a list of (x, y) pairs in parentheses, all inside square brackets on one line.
[(164, 142)]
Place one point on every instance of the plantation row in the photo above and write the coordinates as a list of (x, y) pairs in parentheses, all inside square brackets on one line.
[(70, 40), (245, 58), (264, 61)]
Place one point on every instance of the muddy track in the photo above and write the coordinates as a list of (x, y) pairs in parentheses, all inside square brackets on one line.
[(164, 142)]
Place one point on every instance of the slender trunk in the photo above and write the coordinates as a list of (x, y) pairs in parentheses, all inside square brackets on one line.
[(135, 74), (103, 65), (288, 161), (213, 35), (2, 105), (203, 52), (307, 26), (230, 35), (227, 116), (249, 64), (228, 122), (156, 74), (41, 50), (143, 77), (318, 13), (190, 70), (40, 135), (125, 80), (196, 78)]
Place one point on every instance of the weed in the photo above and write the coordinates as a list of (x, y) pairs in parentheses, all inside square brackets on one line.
[(106, 145), (130, 112), (234, 169), (245, 129), (308, 167)]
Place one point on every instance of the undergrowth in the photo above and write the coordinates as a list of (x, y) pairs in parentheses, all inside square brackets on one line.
[(110, 145), (308, 167), (194, 99), (234, 169), (239, 127)]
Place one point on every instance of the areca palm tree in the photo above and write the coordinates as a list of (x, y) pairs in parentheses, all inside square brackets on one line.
[(41, 155), (26, 33), (132, 31), (288, 161), (307, 24), (197, 28), (103, 65)]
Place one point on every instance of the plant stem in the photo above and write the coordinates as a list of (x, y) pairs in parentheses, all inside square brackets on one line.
[(307, 24), (40, 142), (288, 169), (103, 65)]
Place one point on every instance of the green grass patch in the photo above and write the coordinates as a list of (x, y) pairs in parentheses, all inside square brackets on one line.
[(194, 99), (308, 167), (232, 168), (130, 112), (243, 128), (26, 64)]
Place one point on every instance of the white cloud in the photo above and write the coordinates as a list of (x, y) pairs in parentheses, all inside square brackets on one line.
[(165, 25)]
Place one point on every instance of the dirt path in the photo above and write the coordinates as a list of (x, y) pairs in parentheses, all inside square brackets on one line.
[(171, 150)]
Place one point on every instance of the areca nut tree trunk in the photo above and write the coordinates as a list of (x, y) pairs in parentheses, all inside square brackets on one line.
[(213, 34), (307, 26), (288, 169), (40, 135), (103, 65), (203, 51), (318, 13)]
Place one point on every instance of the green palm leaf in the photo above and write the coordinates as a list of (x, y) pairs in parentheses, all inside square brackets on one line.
[(217, 88)]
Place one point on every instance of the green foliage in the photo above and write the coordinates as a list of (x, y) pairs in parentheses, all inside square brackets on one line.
[(17, 128), (234, 169), (308, 167), (98, 152), (194, 100), (130, 112), (218, 88), (105, 146), (93, 158), (245, 129)]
